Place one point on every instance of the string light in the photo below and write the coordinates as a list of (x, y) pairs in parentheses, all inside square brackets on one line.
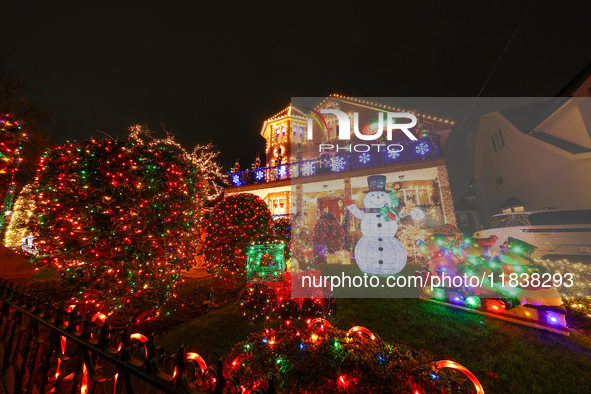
[(336, 360), (233, 224), (496, 292)]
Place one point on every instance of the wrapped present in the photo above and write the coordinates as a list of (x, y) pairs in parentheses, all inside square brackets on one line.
[(343, 257), (331, 258)]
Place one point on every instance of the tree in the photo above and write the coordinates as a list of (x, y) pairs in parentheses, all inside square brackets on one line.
[(234, 223), (118, 219), (22, 137)]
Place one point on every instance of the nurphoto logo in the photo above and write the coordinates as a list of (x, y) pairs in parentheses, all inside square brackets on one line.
[(344, 130)]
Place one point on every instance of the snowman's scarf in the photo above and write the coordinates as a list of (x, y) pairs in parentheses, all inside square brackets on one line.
[(386, 209)]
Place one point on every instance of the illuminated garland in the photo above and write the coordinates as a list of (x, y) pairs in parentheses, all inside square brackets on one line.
[(234, 223), (577, 296), (118, 220), (319, 358)]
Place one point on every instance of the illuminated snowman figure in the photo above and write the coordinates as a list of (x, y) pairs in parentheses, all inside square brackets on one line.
[(378, 252)]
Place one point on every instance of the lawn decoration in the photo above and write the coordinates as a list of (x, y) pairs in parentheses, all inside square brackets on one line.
[(378, 252), (268, 292), (508, 286)]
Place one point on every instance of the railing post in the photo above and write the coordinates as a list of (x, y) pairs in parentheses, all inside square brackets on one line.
[(271, 385), (220, 381)]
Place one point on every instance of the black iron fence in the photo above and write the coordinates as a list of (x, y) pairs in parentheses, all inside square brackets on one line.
[(48, 348)]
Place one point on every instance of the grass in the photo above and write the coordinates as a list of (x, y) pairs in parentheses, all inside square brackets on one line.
[(525, 360), (211, 335)]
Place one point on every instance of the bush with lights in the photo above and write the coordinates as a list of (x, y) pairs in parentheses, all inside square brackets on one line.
[(118, 220), (282, 232), (328, 237), (318, 358), (234, 223)]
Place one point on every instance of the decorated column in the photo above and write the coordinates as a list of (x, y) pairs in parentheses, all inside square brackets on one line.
[(299, 203), (447, 204)]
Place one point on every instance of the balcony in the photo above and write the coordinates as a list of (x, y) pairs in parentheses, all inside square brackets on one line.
[(413, 151)]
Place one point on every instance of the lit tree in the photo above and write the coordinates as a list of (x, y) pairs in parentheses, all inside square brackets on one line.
[(22, 211), (118, 219), (203, 158), (234, 223), (22, 137)]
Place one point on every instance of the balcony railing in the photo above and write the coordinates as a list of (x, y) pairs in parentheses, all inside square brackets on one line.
[(344, 161)]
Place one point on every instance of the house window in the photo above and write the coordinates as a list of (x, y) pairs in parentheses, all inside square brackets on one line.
[(463, 220), (500, 133), (498, 141), (499, 181)]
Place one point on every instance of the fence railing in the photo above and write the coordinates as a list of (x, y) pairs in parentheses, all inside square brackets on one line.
[(48, 348), (331, 162)]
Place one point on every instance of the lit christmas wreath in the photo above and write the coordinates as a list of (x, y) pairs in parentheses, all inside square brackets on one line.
[(278, 151)]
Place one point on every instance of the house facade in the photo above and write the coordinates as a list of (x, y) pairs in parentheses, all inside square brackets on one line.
[(304, 182)]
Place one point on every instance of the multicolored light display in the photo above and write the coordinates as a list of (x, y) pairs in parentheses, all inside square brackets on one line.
[(118, 220), (320, 358), (10, 160), (234, 223)]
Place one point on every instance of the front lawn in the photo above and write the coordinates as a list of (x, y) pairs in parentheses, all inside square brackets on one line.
[(506, 358)]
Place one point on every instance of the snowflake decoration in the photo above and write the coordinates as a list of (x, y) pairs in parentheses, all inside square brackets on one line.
[(422, 148), (364, 158), (236, 179), (282, 172), (259, 175), (393, 154), (337, 163), (308, 168)]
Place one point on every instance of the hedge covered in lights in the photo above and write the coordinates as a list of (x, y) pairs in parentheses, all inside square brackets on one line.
[(319, 358), (118, 219)]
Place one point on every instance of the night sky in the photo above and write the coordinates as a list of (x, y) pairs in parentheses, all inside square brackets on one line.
[(214, 71)]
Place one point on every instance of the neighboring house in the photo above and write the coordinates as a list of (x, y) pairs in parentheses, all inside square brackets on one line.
[(534, 157), (467, 213), (297, 180)]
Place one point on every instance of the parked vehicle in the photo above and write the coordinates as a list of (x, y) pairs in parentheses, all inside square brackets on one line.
[(558, 233)]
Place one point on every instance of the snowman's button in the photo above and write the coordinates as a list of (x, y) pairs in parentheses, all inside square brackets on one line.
[(378, 216), (381, 262), (379, 224), (379, 239), (380, 248)]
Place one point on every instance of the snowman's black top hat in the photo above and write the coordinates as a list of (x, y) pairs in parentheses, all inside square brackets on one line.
[(377, 183)]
